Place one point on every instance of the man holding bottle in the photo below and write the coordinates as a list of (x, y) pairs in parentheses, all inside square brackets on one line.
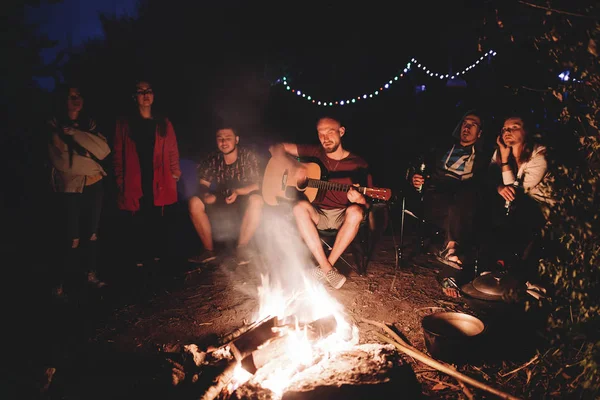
[(451, 188)]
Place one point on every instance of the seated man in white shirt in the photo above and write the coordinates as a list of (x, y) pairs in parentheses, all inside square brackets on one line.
[(452, 187)]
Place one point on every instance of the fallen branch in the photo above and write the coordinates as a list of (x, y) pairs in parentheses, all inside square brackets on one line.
[(425, 359), (575, 381), (451, 386), (557, 11), (466, 391), (422, 371), (192, 271), (520, 368), (446, 368), (482, 372)]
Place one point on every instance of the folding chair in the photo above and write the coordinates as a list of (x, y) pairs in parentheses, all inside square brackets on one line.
[(422, 224)]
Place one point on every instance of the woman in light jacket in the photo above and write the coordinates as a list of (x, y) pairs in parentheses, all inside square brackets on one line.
[(76, 149), (525, 192), (146, 166)]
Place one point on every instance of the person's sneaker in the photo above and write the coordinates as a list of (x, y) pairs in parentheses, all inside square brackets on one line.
[(206, 256), (335, 279), (94, 281), (318, 274)]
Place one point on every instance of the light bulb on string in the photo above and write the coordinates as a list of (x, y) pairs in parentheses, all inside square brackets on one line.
[(387, 85)]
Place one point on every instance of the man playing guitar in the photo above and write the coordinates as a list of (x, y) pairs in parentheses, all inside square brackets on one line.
[(340, 210)]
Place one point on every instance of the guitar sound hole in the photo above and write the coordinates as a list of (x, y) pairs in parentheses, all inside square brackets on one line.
[(303, 184)]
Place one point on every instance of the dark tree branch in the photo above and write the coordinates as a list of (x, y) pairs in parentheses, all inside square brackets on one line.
[(557, 11)]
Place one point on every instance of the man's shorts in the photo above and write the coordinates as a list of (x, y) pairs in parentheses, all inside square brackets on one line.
[(330, 219)]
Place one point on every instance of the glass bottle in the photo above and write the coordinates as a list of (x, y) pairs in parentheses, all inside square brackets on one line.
[(508, 204), (422, 170)]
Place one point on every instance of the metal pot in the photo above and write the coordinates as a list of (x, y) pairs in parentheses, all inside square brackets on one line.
[(452, 336)]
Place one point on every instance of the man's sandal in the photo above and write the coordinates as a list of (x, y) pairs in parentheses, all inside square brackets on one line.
[(450, 287), (444, 257)]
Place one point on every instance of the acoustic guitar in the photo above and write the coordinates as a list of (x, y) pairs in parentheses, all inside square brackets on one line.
[(284, 177)]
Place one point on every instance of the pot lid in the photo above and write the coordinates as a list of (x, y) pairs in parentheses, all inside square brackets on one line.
[(491, 283), (469, 290)]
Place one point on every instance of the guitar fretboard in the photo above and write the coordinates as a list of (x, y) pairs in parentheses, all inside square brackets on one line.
[(326, 185)]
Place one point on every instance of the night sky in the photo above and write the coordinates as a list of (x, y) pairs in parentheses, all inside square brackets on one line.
[(373, 38), (72, 22)]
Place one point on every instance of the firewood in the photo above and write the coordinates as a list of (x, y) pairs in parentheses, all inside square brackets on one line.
[(250, 340), (199, 356), (277, 347), (220, 381), (228, 338), (317, 329), (273, 349), (236, 333), (322, 327)]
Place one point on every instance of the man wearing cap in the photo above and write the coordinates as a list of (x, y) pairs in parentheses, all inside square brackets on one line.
[(452, 188)]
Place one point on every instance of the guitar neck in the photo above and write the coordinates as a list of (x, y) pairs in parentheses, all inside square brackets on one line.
[(339, 187)]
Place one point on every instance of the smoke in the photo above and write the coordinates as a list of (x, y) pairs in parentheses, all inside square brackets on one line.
[(284, 256), (281, 271)]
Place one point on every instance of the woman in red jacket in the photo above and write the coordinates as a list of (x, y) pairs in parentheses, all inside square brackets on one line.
[(146, 165)]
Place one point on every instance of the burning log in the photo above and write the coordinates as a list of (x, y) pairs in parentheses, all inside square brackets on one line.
[(220, 382), (322, 328), (317, 329), (262, 342), (240, 343), (250, 340), (239, 331), (267, 346), (268, 329), (277, 347), (360, 372)]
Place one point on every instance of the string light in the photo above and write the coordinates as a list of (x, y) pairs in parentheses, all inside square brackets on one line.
[(565, 77), (385, 86)]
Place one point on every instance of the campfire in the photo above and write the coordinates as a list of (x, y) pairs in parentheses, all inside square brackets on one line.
[(296, 331), (300, 343)]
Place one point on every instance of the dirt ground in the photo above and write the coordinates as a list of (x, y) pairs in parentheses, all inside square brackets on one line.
[(209, 304), (118, 346)]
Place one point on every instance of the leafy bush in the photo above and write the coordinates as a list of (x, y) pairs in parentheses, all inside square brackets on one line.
[(565, 42)]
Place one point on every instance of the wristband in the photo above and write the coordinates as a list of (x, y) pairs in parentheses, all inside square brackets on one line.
[(503, 164)]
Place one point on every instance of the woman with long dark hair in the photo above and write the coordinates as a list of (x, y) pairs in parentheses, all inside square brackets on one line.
[(76, 149), (525, 191), (146, 165)]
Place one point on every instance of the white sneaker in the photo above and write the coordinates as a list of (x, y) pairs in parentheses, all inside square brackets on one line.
[(335, 279), (318, 274)]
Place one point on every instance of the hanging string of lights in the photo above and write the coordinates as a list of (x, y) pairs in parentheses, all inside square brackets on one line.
[(369, 95)]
